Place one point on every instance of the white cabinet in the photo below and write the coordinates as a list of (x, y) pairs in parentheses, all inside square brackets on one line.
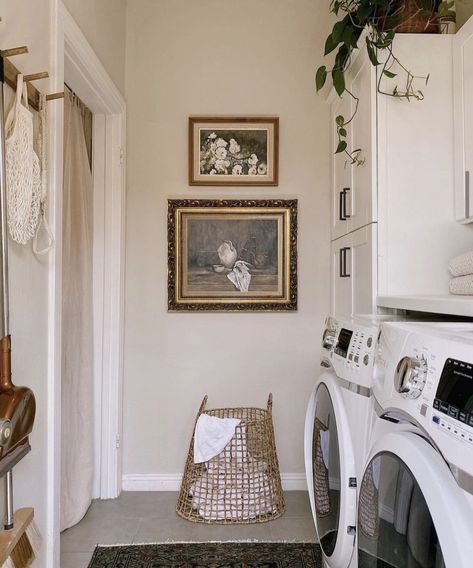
[(463, 121), (354, 188), (400, 230), (354, 272), (341, 173)]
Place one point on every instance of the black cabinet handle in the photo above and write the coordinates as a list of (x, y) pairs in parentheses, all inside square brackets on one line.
[(345, 273), (467, 194), (345, 192), (343, 262), (342, 204)]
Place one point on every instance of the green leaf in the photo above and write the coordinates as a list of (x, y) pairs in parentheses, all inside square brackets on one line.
[(337, 31), (349, 38), (342, 146), (330, 45), (371, 53), (342, 132), (340, 120), (320, 77), (338, 81), (389, 74)]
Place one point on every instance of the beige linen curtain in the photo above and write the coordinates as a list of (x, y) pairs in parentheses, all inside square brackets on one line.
[(77, 322)]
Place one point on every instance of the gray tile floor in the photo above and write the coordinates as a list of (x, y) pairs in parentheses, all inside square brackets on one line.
[(150, 517)]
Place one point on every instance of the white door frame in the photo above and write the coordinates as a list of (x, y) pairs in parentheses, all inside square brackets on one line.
[(74, 61)]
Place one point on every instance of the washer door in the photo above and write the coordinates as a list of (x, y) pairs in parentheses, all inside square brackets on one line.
[(330, 470), (411, 512)]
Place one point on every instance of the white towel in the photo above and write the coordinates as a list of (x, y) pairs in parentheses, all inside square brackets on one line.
[(240, 276), (463, 285), (461, 265), (325, 445), (211, 436)]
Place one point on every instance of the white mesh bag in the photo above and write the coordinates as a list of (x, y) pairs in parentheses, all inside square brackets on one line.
[(22, 169)]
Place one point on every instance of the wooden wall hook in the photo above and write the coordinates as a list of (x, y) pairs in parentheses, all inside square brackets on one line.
[(54, 96), (35, 76), (13, 51)]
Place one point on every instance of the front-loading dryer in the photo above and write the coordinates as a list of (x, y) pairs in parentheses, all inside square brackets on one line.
[(337, 430), (415, 503)]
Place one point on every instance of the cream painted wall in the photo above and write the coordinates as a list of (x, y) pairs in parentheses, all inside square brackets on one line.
[(212, 57), (27, 22), (103, 22)]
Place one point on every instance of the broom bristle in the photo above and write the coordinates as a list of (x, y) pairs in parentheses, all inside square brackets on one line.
[(22, 555)]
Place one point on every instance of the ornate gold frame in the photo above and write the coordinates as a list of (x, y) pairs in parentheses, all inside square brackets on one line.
[(183, 208)]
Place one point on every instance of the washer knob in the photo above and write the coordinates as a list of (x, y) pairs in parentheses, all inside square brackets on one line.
[(410, 376), (329, 338)]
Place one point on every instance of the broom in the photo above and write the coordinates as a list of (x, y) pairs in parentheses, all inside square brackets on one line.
[(21, 540)]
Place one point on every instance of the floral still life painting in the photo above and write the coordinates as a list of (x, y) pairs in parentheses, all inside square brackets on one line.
[(232, 255), (233, 151)]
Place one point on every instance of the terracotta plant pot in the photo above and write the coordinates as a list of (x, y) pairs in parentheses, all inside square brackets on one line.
[(415, 19)]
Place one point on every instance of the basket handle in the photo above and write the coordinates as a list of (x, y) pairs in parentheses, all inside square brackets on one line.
[(270, 402), (203, 405)]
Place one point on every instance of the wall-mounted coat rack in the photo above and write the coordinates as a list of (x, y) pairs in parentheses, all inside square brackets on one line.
[(11, 72)]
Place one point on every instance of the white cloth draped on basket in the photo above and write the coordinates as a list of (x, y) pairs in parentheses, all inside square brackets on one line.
[(234, 485), (211, 436), (77, 442)]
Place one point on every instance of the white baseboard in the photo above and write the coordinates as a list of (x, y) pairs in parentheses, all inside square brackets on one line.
[(172, 482)]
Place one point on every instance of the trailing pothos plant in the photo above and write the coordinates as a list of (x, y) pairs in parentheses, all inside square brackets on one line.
[(381, 19)]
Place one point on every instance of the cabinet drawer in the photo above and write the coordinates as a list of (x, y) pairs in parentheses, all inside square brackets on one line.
[(354, 272)]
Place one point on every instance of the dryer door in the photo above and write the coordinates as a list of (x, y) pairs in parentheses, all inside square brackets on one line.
[(411, 512), (330, 470)]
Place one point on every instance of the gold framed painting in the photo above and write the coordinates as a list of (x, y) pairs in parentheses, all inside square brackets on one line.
[(233, 151), (232, 255)]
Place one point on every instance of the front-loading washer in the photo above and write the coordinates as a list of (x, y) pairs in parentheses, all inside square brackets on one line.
[(415, 503), (337, 430)]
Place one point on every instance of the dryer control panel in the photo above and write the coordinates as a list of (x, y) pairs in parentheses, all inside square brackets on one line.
[(349, 344)]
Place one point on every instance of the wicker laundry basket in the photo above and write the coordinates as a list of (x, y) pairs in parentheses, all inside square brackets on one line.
[(242, 484)]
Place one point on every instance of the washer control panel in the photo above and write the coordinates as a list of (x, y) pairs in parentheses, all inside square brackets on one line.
[(453, 400)]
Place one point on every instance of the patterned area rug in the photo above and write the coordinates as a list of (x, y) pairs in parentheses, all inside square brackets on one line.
[(209, 555)]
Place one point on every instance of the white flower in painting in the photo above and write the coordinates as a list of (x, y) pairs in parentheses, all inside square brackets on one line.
[(262, 169), (221, 143), (237, 170), (220, 153), (253, 160), (252, 171), (222, 165), (213, 171), (234, 146), (212, 136)]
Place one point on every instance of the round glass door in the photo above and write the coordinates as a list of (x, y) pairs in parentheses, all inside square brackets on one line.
[(326, 471), (395, 526)]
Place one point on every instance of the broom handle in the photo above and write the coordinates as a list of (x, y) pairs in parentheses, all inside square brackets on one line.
[(4, 303), (5, 372)]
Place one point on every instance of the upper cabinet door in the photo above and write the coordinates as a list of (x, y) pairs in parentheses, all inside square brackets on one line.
[(363, 194), (463, 121), (354, 187), (341, 172)]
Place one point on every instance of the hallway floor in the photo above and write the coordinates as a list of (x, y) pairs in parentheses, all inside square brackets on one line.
[(142, 517)]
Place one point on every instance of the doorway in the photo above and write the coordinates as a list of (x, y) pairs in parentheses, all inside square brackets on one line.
[(78, 66)]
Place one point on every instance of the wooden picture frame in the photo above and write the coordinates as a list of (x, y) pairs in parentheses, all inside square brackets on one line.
[(232, 255), (233, 151)]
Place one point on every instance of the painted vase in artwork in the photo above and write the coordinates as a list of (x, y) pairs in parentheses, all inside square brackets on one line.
[(227, 254)]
